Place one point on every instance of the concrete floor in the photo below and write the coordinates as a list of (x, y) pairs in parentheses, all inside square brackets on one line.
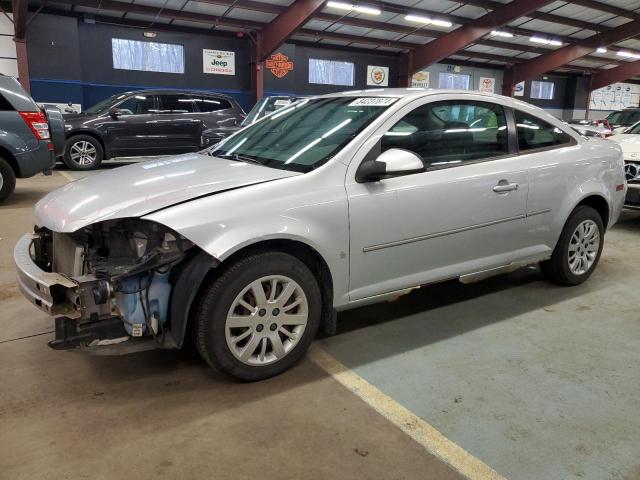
[(537, 381)]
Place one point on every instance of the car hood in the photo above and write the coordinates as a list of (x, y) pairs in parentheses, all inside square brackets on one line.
[(136, 190), (628, 142)]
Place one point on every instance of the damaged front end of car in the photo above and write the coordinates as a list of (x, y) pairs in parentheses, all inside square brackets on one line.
[(109, 285)]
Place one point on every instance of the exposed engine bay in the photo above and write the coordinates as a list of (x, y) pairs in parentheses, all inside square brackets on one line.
[(123, 270)]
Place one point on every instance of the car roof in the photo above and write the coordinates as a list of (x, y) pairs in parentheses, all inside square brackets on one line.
[(177, 91), (410, 92)]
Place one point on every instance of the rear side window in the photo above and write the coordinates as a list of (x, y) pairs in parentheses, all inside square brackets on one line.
[(211, 104), (5, 106), (451, 132), (176, 104), (534, 133)]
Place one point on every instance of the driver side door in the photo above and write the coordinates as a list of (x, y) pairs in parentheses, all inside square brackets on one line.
[(464, 213)]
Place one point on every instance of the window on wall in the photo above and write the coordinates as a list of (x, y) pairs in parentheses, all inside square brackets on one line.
[(458, 81), (542, 90), (147, 56), (331, 72)]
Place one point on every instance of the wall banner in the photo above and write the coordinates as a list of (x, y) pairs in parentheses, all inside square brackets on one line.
[(377, 76), (218, 62)]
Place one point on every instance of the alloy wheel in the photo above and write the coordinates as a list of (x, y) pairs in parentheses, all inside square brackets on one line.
[(83, 153), (583, 247), (266, 320)]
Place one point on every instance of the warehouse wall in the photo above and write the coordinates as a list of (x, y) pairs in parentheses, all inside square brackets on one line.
[(70, 60)]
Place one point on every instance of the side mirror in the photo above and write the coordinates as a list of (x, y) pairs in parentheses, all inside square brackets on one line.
[(116, 112), (394, 162)]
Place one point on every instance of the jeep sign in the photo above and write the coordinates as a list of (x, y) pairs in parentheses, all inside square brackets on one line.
[(218, 62)]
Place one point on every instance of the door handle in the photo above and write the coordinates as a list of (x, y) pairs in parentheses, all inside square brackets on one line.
[(503, 187)]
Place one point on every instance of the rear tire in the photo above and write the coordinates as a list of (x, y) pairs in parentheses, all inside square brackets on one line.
[(578, 250), (258, 318), (83, 152), (7, 179)]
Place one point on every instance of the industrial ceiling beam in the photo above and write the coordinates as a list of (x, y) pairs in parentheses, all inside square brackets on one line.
[(605, 7), (284, 25), (471, 32), (123, 7), (617, 74), (548, 17), (432, 33), (562, 56)]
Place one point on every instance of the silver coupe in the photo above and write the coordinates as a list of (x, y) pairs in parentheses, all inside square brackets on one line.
[(248, 248)]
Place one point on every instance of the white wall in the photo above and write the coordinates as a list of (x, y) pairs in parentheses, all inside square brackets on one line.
[(8, 62)]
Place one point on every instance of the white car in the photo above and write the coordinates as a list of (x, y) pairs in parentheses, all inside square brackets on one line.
[(328, 204), (629, 141)]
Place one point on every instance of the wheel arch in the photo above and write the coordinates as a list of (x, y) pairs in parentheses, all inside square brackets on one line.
[(600, 205), (202, 269), (10, 159), (93, 134)]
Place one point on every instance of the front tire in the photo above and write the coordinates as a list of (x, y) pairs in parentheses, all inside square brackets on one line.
[(258, 318), (83, 152), (7, 180), (578, 250)]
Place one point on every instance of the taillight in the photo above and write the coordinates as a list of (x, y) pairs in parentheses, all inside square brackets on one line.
[(37, 122)]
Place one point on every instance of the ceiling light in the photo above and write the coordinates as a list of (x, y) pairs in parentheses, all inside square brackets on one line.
[(628, 54), (501, 33), (340, 5), (417, 19), (355, 8), (365, 9), (545, 41), (601, 50), (428, 21), (441, 23)]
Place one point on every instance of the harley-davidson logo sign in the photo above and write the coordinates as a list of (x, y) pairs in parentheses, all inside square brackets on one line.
[(279, 64)]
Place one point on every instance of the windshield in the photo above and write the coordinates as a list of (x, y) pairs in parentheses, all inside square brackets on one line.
[(104, 104), (266, 106), (634, 129), (625, 117), (305, 135)]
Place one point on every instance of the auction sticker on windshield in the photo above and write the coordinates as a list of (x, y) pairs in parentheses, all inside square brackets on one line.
[(373, 102)]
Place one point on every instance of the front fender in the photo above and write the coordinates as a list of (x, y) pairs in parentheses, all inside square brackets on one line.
[(289, 209)]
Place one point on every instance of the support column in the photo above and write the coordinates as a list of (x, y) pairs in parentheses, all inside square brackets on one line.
[(405, 69), (23, 63), (508, 85), (257, 69)]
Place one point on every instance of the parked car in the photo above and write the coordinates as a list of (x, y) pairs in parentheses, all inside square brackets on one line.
[(629, 141), (622, 119), (263, 107), (146, 122), (30, 136), (339, 201)]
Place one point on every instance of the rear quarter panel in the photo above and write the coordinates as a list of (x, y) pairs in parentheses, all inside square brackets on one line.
[(560, 179)]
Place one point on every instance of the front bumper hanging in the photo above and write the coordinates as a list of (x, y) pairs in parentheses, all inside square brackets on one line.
[(52, 293)]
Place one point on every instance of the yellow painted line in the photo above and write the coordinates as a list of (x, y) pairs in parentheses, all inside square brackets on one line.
[(66, 175), (420, 431)]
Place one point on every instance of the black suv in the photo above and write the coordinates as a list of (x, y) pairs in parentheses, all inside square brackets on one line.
[(146, 122)]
